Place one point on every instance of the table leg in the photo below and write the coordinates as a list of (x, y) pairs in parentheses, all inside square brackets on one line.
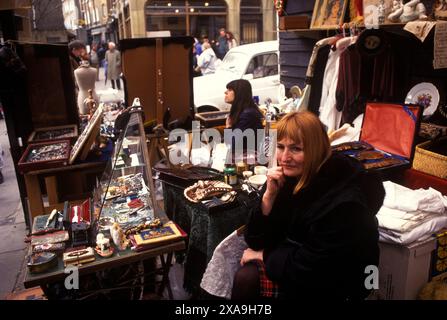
[(166, 266), (34, 195)]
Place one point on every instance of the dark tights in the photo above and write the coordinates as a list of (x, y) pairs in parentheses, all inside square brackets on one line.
[(246, 283)]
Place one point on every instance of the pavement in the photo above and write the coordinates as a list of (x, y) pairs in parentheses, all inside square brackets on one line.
[(12, 224), (13, 248)]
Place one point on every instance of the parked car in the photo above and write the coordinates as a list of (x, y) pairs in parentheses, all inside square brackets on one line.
[(256, 62)]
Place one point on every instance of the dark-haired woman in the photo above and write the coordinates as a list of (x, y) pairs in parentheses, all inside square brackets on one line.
[(244, 113)]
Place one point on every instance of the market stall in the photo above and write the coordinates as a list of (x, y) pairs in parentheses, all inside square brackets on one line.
[(122, 217)]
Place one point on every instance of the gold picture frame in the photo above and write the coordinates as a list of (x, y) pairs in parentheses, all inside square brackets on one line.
[(87, 137), (328, 14)]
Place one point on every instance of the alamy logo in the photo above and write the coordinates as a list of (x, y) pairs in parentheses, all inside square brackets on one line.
[(372, 280), (72, 280), (234, 139)]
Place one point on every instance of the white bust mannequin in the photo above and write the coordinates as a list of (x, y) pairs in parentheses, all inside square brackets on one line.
[(85, 78)]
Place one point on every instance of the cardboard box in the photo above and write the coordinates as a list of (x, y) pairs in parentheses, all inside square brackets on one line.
[(404, 270)]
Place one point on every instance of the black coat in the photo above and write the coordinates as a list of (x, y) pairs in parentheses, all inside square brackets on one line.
[(250, 118), (318, 242)]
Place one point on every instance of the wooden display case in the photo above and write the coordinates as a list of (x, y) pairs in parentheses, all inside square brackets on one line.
[(54, 133), (44, 155)]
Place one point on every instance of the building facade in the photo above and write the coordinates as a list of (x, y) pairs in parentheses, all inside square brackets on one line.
[(92, 21), (15, 20), (249, 20), (48, 22)]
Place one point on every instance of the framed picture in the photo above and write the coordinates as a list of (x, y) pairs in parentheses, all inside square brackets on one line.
[(328, 14), (87, 136)]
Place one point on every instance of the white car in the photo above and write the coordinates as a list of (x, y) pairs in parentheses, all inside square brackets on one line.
[(256, 62)]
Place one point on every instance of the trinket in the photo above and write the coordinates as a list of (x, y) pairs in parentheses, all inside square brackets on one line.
[(118, 237), (41, 262), (206, 189)]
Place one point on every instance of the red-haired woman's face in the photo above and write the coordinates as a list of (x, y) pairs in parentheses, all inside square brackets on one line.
[(290, 156)]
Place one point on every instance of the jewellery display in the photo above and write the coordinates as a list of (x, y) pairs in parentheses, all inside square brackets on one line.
[(124, 195), (354, 145), (54, 133), (206, 189), (383, 163), (369, 155), (44, 155)]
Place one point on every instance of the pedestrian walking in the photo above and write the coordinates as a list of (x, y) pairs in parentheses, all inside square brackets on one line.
[(94, 59), (221, 44), (113, 59)]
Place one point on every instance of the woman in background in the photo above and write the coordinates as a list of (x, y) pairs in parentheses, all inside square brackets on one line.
[(231, 41), (244, 113)]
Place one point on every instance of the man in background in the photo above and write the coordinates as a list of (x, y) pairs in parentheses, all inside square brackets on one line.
[(77, 51), (221, 44)]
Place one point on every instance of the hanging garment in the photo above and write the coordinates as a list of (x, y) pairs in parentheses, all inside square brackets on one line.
[(304, 102), (328, 112), (317, 79)]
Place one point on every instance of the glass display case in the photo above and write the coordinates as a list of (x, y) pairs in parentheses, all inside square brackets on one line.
[(125, 193)]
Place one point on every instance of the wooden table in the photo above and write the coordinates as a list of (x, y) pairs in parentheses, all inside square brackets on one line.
[(205, 227), (120, 258), (33, 187)]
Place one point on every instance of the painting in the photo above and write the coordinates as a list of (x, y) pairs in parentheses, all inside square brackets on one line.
[(328, 14)]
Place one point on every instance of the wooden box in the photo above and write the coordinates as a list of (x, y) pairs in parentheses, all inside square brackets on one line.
[(54, 133), (44, 155), (294, 22)]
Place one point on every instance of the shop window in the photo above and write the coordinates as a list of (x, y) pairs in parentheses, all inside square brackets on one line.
[(251, 21), (251, 7), (194, 17)]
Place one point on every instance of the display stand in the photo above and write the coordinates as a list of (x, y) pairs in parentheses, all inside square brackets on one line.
[(34, 191), (128, 259)]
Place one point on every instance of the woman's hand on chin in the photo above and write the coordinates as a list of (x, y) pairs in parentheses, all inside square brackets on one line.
[(250, 254)]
